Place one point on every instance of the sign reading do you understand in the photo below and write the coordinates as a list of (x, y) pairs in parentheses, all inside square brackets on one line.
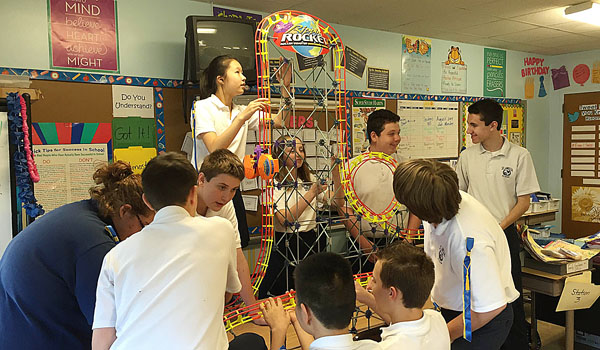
[(133, 101)]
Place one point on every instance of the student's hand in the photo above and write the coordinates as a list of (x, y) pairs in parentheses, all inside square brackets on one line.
[(252, 107), (292, 314), (317, 188), (277, 318), (362, 295), (284, 75)]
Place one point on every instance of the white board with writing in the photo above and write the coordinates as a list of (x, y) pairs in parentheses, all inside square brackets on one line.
[(428, 129)]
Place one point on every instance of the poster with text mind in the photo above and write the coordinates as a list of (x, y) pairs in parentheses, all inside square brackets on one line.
[(416, 65), (83, 35), (66, 172), (361, 108), (494, 73)]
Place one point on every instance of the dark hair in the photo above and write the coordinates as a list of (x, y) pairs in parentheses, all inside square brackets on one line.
[(428, 188), (217, 67), (409, 270), (117, 185), (324, 283), (222, 161), (279, 153), (167, 180), (488, 110), (376, 121)]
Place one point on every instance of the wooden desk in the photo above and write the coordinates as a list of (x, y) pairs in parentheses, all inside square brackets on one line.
[(552, 285)]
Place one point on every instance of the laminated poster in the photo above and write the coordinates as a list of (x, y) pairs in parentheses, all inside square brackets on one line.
[(416, 65)]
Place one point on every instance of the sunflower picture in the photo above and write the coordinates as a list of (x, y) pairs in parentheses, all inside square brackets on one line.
[(585, 204)]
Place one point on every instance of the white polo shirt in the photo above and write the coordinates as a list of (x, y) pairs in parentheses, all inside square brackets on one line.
[(213, 116), (429, 332), (287, 197), (228, 212), (343, 342), (164, 287), (373, 184), (491, 282), (496, 179)]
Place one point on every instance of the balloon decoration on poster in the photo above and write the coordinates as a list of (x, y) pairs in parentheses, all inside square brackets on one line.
[(581, 73), (560, 78), (533, 66)]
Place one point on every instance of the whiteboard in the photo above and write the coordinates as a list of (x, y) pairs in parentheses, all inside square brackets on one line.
[(428, 129), (5, 200)]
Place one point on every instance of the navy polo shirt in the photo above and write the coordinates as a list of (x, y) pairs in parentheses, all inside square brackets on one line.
[(48, 277)]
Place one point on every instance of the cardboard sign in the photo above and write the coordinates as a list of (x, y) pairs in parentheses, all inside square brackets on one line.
[(131, 101), (578, 293), (134, 131)]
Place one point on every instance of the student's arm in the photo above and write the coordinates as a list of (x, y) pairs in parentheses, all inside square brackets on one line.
[(363, 296), (463, 178), (517, 211), (103, 338), (304, 338), (413, 225), (297, 209), (214, 141), (478, 320), (278, 319), (244, 275)]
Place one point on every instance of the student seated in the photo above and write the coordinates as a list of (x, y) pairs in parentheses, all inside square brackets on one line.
[(402, 280), (325, 303), (457, 226), (164, 288)]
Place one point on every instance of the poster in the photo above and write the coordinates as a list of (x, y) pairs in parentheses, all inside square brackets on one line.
[(306, 63), (134, 131), (494, 73), (355, 62), (416, 65), (361, 108), (378, 79), (454, 72), (228, 13), (585, 204), (83, 35), (66, 172), (133, 101), (136, 156)]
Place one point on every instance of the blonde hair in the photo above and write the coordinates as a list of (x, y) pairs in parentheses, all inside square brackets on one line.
[(117, 185), (428, 188)]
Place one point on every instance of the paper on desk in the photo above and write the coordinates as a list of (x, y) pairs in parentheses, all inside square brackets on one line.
[(578, 293)]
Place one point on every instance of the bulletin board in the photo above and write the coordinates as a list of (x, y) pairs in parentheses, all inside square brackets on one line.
[(513, 123), (428, 129)]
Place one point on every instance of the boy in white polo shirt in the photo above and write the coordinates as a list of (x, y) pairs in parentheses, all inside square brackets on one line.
[(469, 251), (401, 284), (501, 176), (165, 288)]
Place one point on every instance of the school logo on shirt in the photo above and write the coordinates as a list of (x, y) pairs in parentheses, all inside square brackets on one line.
[(441, 254), (507, 171)]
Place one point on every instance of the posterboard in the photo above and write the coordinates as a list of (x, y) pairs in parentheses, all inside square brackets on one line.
[(513, 124), (66, 172), (5, 200), (361, 108), (428, 129)]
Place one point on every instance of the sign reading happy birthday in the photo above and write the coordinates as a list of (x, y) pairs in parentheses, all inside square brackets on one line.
[(302, 35)]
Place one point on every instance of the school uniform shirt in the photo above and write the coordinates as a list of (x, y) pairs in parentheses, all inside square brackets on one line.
[(343, 342), (287, 197), (491, 282), (228, 212), (164, 287), (496, 179), (427, 333), (48, 277), (373, 184), (213, 116)]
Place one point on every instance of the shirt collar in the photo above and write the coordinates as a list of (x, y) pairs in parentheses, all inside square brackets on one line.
[(218, 103), (407, 328), (169, 214), (502, 151), (332, 342)]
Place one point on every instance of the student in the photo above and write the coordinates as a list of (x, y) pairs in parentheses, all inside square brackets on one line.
[(165, 288), (383, 133), (295, 197), (456, 223), (325, 303), (219, 178), (501, 176), (401, 283), (217, 122), (49, 271)]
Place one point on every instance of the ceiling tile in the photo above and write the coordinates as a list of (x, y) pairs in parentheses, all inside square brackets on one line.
[(576, 27), (497, 28), (530, 35), (544, 18)]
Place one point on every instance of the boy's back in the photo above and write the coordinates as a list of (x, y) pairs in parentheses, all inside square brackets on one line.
[(168, 284), (430, 332)]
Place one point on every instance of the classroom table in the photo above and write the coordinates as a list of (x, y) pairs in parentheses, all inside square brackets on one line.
[(549, 284)]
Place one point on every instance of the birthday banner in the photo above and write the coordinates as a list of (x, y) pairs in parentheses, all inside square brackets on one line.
[(83, 35)]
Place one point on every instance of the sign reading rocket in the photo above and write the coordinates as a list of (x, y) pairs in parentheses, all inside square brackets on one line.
[(302, 35)]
